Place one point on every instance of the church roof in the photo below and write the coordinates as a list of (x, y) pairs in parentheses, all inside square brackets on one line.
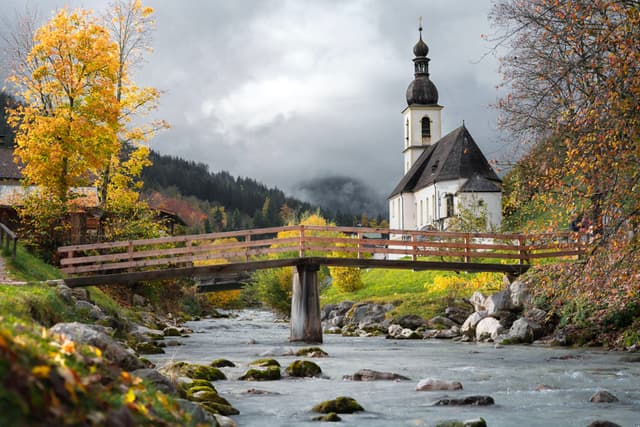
[(454, 156), (480, 184)]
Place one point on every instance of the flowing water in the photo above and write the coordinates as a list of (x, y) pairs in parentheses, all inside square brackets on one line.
[(510, 375)]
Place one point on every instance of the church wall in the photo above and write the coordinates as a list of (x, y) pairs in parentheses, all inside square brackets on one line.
[(493, 201)]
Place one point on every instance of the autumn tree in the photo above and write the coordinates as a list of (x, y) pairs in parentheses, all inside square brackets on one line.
[(572, 78), (67, 127)]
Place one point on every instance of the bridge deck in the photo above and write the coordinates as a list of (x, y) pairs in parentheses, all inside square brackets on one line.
[(249, 250), (125, 278)]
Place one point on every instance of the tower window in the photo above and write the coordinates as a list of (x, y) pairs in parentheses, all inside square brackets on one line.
[(426, 127)]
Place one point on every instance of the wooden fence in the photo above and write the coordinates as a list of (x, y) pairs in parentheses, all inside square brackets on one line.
[(8, 239), (316, 241)]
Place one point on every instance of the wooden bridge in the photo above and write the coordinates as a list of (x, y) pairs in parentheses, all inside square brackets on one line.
[(307, 248)]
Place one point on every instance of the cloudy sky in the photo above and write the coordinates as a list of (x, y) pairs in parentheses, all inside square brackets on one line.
[(286, 91)]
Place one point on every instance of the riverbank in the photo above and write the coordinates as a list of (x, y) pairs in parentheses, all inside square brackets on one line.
[(531, 385)]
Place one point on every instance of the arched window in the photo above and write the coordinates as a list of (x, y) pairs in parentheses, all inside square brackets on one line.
[(426, 127), (449, 204)]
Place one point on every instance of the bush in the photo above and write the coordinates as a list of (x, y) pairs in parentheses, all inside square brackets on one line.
[(346, 279)]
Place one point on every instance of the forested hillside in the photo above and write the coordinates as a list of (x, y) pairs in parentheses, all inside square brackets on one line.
[(232, 202)]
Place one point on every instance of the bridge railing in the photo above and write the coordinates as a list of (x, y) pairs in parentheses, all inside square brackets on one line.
[(318, 241)]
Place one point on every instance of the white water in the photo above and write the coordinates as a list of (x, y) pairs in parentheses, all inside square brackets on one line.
[(510, 375)]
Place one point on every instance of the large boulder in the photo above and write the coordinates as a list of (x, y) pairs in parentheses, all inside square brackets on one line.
[(519, 294), (400, 333), (339, 405), (410, 321), (522, 331), (198, 414), (94, 335), (431, 384), (303, 368), (457, 314), (477, 300), (159, 381), (441, 322), (500, 301), (536, 315), (371, 375), (488, 329), (469, 326)]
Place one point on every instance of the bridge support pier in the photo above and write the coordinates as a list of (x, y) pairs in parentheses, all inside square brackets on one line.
[(305, 305)]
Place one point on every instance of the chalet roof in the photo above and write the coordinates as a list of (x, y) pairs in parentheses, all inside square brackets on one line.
[(454, 156), (8, 168)]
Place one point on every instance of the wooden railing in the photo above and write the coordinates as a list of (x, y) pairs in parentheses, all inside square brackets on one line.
[(8, 239), (315, 241)]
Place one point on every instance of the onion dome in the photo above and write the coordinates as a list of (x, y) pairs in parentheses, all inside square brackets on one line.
[(421, 90)]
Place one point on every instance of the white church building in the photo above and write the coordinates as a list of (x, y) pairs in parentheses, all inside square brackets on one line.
[(441, 174)]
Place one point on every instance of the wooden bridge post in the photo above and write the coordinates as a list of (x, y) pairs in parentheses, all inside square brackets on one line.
[(305, 305)]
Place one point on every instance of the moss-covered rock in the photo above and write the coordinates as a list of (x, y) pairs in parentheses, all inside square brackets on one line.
[(265, 362), (271, 373), (218, 408), (222, 363), (202, 372), (209, 396), (171, 332), (340, 405), (195, 372), (191, 391), (303, 368), (148, 348), (330, 417), (311, 352)]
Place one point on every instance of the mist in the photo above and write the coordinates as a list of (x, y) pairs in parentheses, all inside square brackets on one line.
[(342, 194)]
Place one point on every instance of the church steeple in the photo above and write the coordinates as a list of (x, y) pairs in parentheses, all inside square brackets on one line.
[(421, 91), (422, 116)]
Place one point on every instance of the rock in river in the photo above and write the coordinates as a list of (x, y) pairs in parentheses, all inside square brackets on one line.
[(371, 375), (340, 405), (430, 384), (466, 401), (603, 396), (303, 368)]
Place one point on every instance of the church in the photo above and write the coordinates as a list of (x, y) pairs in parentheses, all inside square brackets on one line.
[(442, 175)]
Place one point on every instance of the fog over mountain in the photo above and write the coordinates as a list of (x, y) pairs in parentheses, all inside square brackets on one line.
[(343, 194)]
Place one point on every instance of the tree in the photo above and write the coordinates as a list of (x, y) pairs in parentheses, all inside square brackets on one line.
[(573, 79), (66, 130), (573, 74), (129, 25)]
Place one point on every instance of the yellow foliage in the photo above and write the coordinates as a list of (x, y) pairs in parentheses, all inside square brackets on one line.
[(224, 299), (459, 286)]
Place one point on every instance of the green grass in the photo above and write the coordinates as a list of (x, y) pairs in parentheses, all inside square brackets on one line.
[(38, 303), (413, 292), (29, 268)]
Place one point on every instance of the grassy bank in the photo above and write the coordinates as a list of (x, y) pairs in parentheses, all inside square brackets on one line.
[(46, 380), (425, 293)]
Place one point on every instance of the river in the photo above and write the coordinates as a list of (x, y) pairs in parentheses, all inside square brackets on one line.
[(509, 374)]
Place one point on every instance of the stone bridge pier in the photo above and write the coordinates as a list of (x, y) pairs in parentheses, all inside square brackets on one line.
[(305, 305)]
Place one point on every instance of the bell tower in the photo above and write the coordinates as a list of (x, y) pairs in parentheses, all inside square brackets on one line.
[(422, 123)]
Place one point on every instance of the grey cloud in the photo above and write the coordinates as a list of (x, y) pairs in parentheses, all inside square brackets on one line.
[(356, 55)]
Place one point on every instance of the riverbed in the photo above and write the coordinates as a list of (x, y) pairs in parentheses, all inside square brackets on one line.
[(509, 374)]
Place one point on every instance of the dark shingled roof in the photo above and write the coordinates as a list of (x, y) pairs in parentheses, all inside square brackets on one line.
[(8, 168), (454, 156)]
